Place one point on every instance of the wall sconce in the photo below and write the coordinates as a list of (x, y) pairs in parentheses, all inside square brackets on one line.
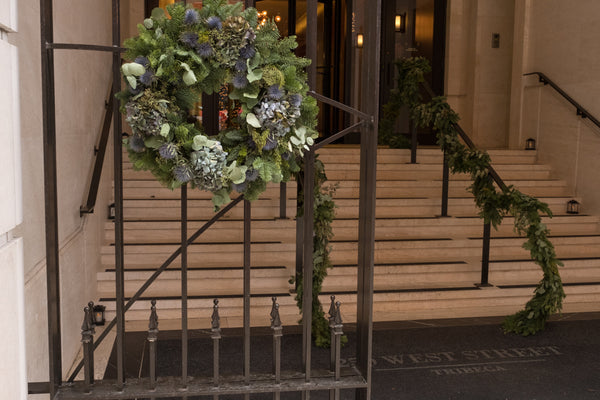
[(111, 211), (400, 23), (99, 315), (573, 207), (530, 144), (359, 40)]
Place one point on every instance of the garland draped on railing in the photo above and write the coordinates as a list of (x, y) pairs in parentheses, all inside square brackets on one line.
[(324, 213), (493, 204)]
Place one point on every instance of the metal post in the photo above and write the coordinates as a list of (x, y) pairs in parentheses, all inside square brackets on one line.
[(299, 230), (87, 338), (368, 180), (216, 337), (247, 251), (184, 288), (413, 142), (91, 323), (152, 339), (277, 334), (283, 200), (332, 347), (338, 331), (118, 195), (50, 198), (307, 272), (445, 183), (485, 254)]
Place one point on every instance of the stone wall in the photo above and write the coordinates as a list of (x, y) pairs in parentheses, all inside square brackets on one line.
[(82, 84), (559, 39)]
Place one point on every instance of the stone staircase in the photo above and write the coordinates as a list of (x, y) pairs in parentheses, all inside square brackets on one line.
[(426, 266)]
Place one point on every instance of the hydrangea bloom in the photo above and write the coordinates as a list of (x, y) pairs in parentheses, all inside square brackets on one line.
[(136, 143)]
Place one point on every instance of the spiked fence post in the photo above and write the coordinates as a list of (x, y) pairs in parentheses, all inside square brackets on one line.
[(152, 339), (338, 330), (332, 314), (216, 337), (277, 334), (90, 318), (87, 338)]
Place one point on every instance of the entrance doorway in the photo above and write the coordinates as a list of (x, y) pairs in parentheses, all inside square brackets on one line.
[(413, 28)]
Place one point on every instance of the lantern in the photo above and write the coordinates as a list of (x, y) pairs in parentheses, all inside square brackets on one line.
[(573, 207), (530, 144)]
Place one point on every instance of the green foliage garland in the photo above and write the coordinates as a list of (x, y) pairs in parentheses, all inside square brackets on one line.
[(493, 205), (175, 59), (324, 213)]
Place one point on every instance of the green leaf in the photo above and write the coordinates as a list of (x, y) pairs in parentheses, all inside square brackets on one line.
[(153, 142), (132, 81), (252, 120), (148, 23), (164, 130), (134, 69), (254, 75), (202, 141), (189, 78), (158, 13)]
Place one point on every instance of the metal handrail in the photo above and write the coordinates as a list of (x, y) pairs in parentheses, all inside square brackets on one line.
[(463, 135), (99, 152), (580, 110)]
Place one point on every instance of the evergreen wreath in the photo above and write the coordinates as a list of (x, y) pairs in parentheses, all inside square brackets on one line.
[(549, 294), (180, 55)]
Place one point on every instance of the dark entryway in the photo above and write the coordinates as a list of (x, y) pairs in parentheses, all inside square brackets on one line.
[(413, 28)]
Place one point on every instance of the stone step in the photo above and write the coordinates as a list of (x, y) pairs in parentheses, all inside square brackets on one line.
[(206, 282), (143, 232), (346, 208), (388, 306)]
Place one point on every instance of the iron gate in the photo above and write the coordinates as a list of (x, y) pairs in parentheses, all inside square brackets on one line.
[(304, 381)]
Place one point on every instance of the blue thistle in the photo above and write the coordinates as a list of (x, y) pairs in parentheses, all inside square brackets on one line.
[(168, 151), (240, 81), (286, 156), (296, 100), (136, 143), (204, 50), (241, 66), (147, 77), (247, 52), (191, 17), (251, 174), (190, 39), (274, 92), (182, 173), (142, 61), (214, 22), (271, 143)]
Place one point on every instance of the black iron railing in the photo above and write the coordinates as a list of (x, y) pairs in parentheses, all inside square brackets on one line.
[(99, 153), (492, 173), (305, 381), (582, 112)]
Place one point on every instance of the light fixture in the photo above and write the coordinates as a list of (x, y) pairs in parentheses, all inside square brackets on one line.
[(573, 207), (99, 314), (359, 40), (530, 144), (278, 18), (400, 23), (111, 211)]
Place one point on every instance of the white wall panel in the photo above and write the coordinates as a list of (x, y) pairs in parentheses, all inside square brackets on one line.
[(8, 14), (13, 381), (10, 151)]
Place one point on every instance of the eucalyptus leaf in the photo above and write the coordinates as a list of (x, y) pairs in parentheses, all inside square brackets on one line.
[(254, 75), (252, 120), (189, 78), (132, 81), (148, 23), (153, 142), (164, 130)]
